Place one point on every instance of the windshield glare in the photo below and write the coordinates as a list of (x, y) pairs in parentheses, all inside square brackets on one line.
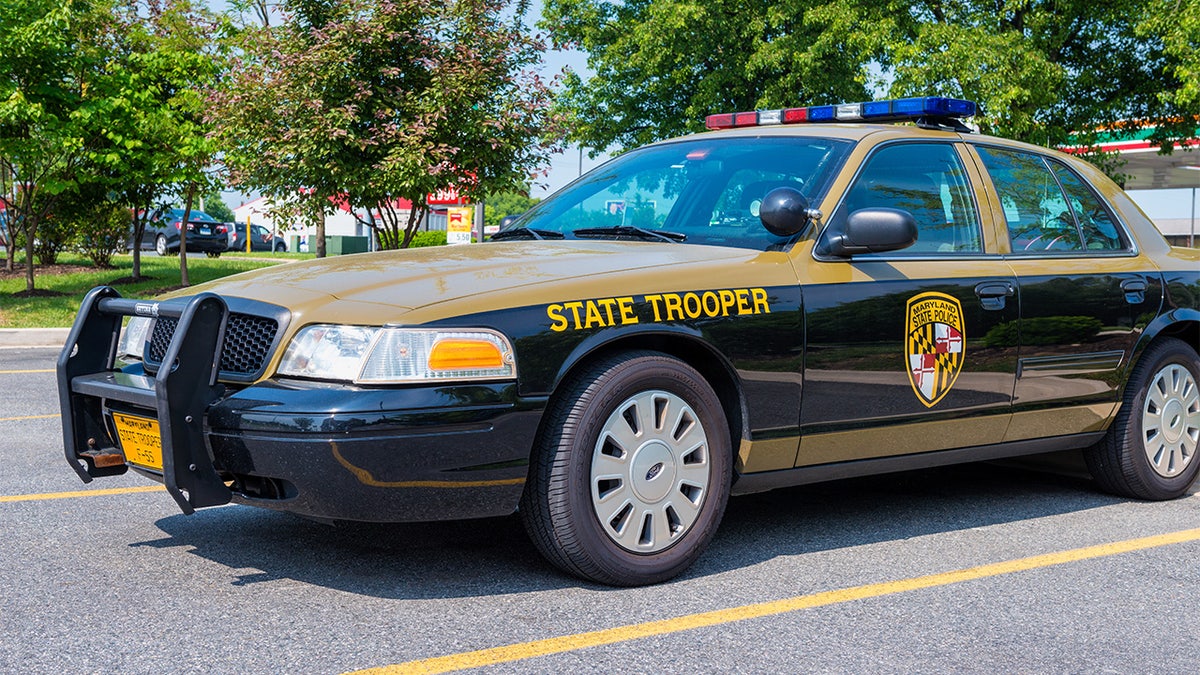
[(706, 189)]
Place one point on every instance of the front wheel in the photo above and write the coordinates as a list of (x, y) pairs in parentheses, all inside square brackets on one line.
[(1150, 450), (160, 245), (213, 254), (631, 472)]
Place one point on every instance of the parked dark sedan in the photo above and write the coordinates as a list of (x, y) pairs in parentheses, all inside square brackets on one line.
[(205, 233), (262, 239)]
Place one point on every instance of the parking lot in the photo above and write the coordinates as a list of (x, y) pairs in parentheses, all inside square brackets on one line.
[(980, 568)]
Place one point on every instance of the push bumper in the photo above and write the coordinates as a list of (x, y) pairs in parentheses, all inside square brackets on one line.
[(319, 450)]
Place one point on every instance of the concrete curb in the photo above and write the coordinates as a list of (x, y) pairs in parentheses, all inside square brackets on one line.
[(33, 337)]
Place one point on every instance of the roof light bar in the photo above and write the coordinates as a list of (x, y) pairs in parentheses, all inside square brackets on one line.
[(893, 110)]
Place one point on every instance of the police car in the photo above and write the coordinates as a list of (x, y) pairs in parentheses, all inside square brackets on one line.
[(799, 295)]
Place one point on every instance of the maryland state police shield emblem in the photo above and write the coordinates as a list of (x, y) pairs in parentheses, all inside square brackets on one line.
[(936, 345)]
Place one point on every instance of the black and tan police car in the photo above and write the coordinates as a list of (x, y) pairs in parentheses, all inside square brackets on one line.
[(801, 295)]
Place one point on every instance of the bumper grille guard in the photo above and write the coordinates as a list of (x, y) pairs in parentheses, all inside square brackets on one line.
[(180, 394)]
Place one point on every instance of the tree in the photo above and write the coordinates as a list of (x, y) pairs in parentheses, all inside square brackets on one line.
[(50, 48), (502, 204), (1177, 24), (150, 111), (383, 102), (216, 207), (1041, 69)]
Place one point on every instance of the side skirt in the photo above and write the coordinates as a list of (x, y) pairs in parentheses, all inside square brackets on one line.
[(770, 480)]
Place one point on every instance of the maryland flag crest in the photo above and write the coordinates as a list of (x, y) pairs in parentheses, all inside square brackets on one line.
[(935, 345)]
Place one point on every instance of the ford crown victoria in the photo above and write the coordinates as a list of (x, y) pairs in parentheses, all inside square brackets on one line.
[(799, 295)]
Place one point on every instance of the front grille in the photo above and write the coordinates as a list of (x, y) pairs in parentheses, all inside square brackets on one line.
[(247, 342)]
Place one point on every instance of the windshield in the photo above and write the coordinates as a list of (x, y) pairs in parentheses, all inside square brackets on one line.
[(702, 191)]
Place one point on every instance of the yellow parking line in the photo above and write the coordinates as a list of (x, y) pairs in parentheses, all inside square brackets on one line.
[(26, 417), (528, 650), (79, 493), (21, 372)]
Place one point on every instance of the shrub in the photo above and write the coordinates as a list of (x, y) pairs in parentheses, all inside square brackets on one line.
[(54, 235), (430, 238), (102, 232)]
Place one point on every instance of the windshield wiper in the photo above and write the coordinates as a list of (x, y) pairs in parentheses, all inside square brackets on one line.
[(631, 230), (526, 233)]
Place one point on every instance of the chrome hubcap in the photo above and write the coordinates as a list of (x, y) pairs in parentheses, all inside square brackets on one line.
[(650, 472), (1171, 420)]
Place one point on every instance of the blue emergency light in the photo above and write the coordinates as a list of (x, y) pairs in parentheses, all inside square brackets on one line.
[(894, 110)]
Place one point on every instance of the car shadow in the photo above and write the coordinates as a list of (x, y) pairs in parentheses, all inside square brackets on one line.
[(485, 557)]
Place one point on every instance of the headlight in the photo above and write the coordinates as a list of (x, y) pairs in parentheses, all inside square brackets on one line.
[(390, 355), (133, 338)]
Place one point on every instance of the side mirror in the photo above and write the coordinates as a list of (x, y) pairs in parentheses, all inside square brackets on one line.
[(874, 230), (785, 212)]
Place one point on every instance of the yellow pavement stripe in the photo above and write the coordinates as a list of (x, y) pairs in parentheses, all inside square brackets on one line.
[(21, 372), (528, 650), (79, 493), (26, 417)]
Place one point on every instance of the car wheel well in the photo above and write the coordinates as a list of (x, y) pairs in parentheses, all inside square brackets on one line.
[(1188, 331), (717, 373)]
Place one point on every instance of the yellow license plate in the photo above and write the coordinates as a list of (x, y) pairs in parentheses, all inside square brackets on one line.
[(140, 440)]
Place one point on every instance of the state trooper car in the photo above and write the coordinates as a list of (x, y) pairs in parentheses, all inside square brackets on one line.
[(800, 295)]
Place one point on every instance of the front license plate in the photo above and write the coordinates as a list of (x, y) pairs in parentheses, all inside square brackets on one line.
[(141, 440)]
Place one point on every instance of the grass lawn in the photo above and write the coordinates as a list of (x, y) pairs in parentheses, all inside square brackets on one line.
[(60, 288)]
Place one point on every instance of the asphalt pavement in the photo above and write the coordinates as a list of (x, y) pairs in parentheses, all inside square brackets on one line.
[(981, 568)]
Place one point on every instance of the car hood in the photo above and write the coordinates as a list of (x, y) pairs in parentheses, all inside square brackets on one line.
[(416, 278)]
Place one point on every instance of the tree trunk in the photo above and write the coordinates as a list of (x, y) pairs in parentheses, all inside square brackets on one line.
[(138, 233), (30, 230), (183, 229), (320, 231)]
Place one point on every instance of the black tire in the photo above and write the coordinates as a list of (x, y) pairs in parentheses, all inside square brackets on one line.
[(281, 247), (559, 508), (213, 254), (160, 245), (1150, 450)]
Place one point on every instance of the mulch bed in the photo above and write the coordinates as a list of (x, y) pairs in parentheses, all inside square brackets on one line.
[(19, 271)]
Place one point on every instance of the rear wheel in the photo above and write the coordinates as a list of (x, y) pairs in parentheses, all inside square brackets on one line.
[(160, 245), (1150, 450), (213, 254), (631, 473)]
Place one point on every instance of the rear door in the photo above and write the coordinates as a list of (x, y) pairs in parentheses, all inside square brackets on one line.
[(1086, 292), (899, 354)]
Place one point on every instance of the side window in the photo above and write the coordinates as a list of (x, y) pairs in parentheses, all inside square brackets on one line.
[(1038, 215), (1100, 232), (928, 181)]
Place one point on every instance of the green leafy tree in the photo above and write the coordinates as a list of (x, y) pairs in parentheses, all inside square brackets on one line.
[(1041, 69), (216, 207), (1177, 24), (48, 49), (150, 110), (382, 102), (502, 204)]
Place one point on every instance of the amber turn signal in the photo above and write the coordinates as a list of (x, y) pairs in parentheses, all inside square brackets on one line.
[(459, 354)]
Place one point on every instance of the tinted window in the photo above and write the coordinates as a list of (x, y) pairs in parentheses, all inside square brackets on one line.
[(708, 189), (1047, 207), (1099, 230), (928, 181)]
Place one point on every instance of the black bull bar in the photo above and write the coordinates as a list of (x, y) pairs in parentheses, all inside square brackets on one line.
[(180, 393)]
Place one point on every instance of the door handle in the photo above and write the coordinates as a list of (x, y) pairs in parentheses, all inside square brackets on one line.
[(1135, 290), (994, 294)]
